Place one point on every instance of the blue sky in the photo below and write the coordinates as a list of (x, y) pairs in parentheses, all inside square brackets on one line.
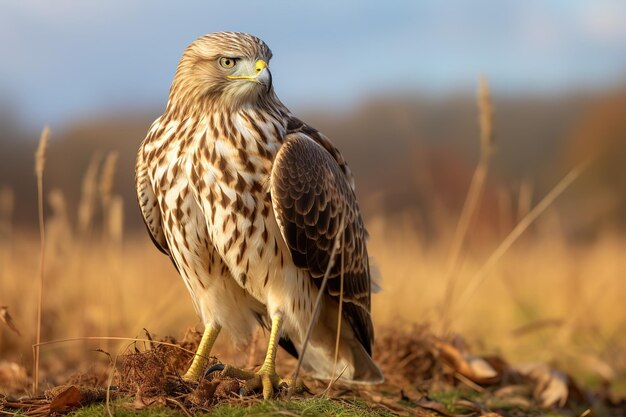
[(63, 60)]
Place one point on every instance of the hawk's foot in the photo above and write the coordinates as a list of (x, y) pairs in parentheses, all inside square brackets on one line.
[(265, 379)]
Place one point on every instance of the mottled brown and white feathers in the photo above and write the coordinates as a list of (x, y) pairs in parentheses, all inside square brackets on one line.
[(247, 200), (311, 195)]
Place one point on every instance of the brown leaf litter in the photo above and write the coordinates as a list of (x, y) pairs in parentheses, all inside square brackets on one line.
[(415, 363)]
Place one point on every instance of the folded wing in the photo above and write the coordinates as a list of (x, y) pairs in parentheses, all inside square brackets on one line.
[(311, 193)]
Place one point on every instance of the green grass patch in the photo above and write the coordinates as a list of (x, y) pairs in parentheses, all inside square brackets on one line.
[(449, 398), (306, 407), (123, 410)]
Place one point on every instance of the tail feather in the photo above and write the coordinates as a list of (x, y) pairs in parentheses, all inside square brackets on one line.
[(354, 364)]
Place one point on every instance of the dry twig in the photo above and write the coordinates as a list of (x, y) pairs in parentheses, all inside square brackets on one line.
[(473, 196), (40, 161), (520, 228)]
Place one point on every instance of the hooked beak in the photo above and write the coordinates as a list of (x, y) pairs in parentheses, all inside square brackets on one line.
[(262, 75)]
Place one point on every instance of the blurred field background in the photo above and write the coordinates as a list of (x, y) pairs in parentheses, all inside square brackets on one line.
[(395, 89)]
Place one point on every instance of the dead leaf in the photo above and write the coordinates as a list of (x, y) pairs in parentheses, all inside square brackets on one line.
[(481, 369), (550, 385), (429, 404), (66, 400), (8, 320), (554, 390), (511, 390), (472, 406), (475, 368), (514, 395)]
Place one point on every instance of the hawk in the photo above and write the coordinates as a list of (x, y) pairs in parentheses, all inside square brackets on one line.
[(247, 201)]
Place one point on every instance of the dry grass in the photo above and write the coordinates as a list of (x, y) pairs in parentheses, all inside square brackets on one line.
[(7, 203), (40, 162), (546, 300), (472, 201), (539, 297), (537, 303)]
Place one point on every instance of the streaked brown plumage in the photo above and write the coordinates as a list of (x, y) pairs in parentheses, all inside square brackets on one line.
[(247, 201)]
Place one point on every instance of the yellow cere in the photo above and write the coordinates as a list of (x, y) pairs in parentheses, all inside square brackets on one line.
[(259, 66)]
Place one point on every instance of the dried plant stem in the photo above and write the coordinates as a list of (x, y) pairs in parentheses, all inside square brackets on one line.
[(131, 339), (107, 178), (40, 160), (524, 200), (86, 208), (472, 199), (339, 316), (7, 205), (88, 198), (505, 211), (520, 228), (110, 203), (318, 303)]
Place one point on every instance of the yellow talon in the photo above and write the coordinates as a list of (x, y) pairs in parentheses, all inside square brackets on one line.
[(266, 377)]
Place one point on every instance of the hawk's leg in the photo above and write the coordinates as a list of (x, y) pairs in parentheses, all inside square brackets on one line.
[(267, 373), (266, 377), (196, 370)]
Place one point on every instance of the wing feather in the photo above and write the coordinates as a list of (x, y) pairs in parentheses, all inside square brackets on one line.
[(149, 204), (311, 190)]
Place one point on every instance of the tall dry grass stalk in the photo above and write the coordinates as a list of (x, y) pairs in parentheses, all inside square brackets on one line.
[(112, 222), (470, 207), (58, 228), (524, 200), (505, 211), (115, 221), (519, 229), (7, 205), (40, 162), (339, 317), (112, 205), (107, 179), (88, 196), (86, 211), (114, 229)]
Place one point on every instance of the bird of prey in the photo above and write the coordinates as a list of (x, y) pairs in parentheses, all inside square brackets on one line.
[(247, 201)]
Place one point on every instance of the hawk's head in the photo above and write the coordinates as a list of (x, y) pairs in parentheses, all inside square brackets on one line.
[(228, 67)]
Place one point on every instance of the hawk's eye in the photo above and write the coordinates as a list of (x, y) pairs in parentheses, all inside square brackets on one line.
[(227, 63)]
